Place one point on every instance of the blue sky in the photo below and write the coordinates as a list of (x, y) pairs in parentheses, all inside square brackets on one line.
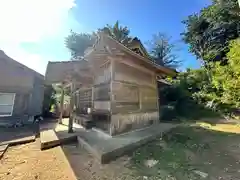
[(35, 33)]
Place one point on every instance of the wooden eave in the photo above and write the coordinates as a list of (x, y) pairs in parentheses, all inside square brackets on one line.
[(66, 71), (146, 61)]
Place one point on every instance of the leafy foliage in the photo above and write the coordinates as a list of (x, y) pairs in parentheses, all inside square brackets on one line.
[(162, 51), (208, 33), (194, 90), (189, 90), (226, 79), (77, 43), (49, 99), (117, 32)]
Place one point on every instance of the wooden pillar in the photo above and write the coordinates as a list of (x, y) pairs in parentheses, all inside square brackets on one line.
[(140, 97), (61, 105), (112, 78), (158, 99), (70, 124), (92, 97)]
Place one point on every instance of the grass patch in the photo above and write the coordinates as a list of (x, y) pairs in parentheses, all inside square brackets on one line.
[(181, 152)]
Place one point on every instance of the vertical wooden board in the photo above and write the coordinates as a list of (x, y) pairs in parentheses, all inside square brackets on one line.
[(61, 105)]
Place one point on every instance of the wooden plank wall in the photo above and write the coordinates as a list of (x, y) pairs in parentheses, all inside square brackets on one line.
[(133, 90), (134, 97), (101, 96), (101, 88)]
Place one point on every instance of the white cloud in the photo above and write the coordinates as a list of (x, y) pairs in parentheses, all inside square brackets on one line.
[(32, 21)]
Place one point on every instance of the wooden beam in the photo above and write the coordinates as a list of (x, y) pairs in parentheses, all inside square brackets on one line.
[(158, 99), (105, 63), (112, 71), (61, 105), (140, 98), (70, 124), (153, 86), (92, 97)]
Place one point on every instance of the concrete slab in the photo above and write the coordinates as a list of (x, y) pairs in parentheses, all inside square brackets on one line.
[(109, 148), (54, 134)]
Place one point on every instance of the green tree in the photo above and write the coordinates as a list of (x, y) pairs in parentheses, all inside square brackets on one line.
[(208, 33), (163, 51), (118, 32), (77, 43), (49, 99), (227, 78)]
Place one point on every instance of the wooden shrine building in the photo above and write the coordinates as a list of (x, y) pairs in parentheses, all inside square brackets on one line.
[(114, 87)]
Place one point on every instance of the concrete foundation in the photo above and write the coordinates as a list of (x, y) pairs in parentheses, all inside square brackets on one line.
[(122, 123), (103, 146), (106, 148)]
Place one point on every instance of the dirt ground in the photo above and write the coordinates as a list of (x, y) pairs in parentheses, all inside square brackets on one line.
[(27, 162), (86, 167), (205, 151)]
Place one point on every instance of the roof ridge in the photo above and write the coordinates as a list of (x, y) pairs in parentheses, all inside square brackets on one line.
[(146, 59), (20, 64)]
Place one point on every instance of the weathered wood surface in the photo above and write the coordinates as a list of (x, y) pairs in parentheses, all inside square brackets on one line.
[(102, 105), (83, 100), (134, 97), (102, 92), (124, 86), (61, 105), (124, 72), (121, 123), (149, 99), (124, 92), (102, 74)]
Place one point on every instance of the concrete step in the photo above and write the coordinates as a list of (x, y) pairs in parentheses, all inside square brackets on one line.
[(55, 135)]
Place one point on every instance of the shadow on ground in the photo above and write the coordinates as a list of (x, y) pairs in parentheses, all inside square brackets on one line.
[(11, 134)]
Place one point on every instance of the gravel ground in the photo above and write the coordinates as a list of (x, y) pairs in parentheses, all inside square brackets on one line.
[(27, 162)]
